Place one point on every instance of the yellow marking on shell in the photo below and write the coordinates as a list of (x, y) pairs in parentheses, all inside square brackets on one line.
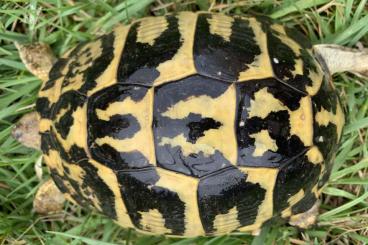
[(292, 201), (109, 177), (278, 28), (315, 76), (325, 117), (78, 131), (45, 125), (314, 155), (186, 188), (142, 141), (296, 198), (150, 28), (61, 113), (53, 94), (261, 66), (108, 77), (225, 223), (221, 109), (182, 64), (221, 25), (263, 142), (53, 160), (315, 190), (264, 103), (154, 222), (301, 121), (266, 178), (187, 147), (83, 63)]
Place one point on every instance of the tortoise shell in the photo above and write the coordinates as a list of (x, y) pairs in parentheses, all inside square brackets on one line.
[(191, 124)]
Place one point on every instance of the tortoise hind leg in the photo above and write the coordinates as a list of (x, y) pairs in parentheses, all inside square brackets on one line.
[(306, 219), (48, 199)]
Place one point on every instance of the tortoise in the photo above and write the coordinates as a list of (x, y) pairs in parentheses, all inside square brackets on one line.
[(190, 124)]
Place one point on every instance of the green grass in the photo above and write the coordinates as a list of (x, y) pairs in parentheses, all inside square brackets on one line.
[(63, 23)]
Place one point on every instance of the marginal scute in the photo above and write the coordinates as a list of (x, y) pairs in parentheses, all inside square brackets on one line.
[(324, 117)]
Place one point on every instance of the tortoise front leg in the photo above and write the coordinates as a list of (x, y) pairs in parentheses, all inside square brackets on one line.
[(26, 131)]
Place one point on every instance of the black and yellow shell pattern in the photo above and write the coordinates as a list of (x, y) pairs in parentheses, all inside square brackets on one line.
[(191, 124)]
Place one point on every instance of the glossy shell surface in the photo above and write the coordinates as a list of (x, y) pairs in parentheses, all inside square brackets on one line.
[(191, 124)]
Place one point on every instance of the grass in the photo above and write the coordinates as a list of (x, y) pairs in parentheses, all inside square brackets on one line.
[(63, 23)]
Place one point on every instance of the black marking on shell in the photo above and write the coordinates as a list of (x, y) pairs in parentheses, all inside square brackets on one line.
[(150, 196), (97, 67), (46, 142), (220, 59), (197, 128), (55, 73), (117, 127), (192, 126), (139, 60), (69, 101), (91, 180), (297, 175), (220, 191), (305, 204), (118, 161), (298, 37), (43, 107)]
